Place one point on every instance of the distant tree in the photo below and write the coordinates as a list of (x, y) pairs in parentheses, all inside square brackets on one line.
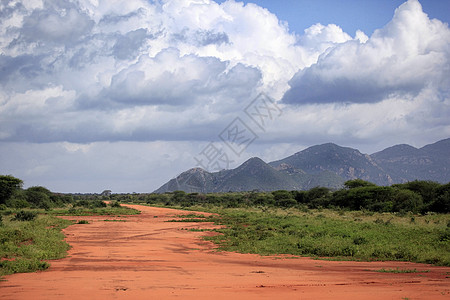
[(18, 200), (299, 196), (442, 201), (441, 204), (374, 198), (106, 194), (39, 196), (284, 198), (426, 189), (318, 197), (281, 194), (355, 183), (178, 196), (407, 200), (8, 185)]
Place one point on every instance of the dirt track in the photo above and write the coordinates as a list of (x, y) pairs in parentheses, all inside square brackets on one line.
[(147, 258)]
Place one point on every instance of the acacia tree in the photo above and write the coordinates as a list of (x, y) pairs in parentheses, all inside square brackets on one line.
[(356, 183), (8, 185)]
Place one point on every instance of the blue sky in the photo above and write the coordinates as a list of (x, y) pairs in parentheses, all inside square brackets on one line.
[(350, 15), (125, 96)]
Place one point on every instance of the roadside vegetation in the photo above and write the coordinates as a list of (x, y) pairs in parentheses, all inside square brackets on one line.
[(25, 244), (30, 232), (337, 235), (361, 221), (418, 197)]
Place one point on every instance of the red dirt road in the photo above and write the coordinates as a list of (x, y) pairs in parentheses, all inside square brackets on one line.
[(147, 258)]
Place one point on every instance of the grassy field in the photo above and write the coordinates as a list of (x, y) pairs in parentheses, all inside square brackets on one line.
[(337, 235), (24, 245), (27, 242)]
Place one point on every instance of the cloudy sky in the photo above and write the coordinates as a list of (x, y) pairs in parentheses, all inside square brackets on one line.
[(125, 95)]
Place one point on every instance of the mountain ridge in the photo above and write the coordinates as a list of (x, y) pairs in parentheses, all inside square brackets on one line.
[(327, 165)]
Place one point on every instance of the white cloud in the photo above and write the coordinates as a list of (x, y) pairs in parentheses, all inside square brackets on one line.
[(409, 54), (118, 89)]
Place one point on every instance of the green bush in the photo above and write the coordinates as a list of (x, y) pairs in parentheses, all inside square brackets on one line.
[(26, 245), (115, 204), (98, 204), (22, 266), (83, 203), (407, 200), (24, 215), (284, 198)]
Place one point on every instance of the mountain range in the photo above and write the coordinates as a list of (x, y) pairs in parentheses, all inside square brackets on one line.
[(326, 165)]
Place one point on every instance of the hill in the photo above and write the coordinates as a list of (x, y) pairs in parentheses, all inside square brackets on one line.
[(406, 163), (328, 165), (252, 175)]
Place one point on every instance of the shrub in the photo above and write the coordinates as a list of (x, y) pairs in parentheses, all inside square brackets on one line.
[(115, 204), (25, 216), (284, 198), (98, 203), (72, 210), (83, 203)]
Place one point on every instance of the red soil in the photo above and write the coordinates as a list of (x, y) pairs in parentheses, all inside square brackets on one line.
[(147, 258)]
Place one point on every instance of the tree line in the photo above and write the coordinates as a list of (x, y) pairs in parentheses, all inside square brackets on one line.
[(415, 196), (13, 195)]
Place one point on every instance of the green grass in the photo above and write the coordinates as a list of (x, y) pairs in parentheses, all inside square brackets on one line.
[(397, 270), (331, 234), (26, 241), (102, 211), (24, 245), (192, 218)]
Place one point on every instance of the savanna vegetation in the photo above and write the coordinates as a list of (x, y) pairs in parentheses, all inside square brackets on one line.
[(337, 234), (361, 221), (418, 197), (30, 234)]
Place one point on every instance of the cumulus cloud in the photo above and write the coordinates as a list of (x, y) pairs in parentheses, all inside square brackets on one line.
[(159, 56), (164, 78), (57, 22), (409, 54), (171, 79)]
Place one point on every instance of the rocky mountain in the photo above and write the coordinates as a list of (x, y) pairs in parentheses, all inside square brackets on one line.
[(254, 174), (406, 163), (327, 165), (345, 162)]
